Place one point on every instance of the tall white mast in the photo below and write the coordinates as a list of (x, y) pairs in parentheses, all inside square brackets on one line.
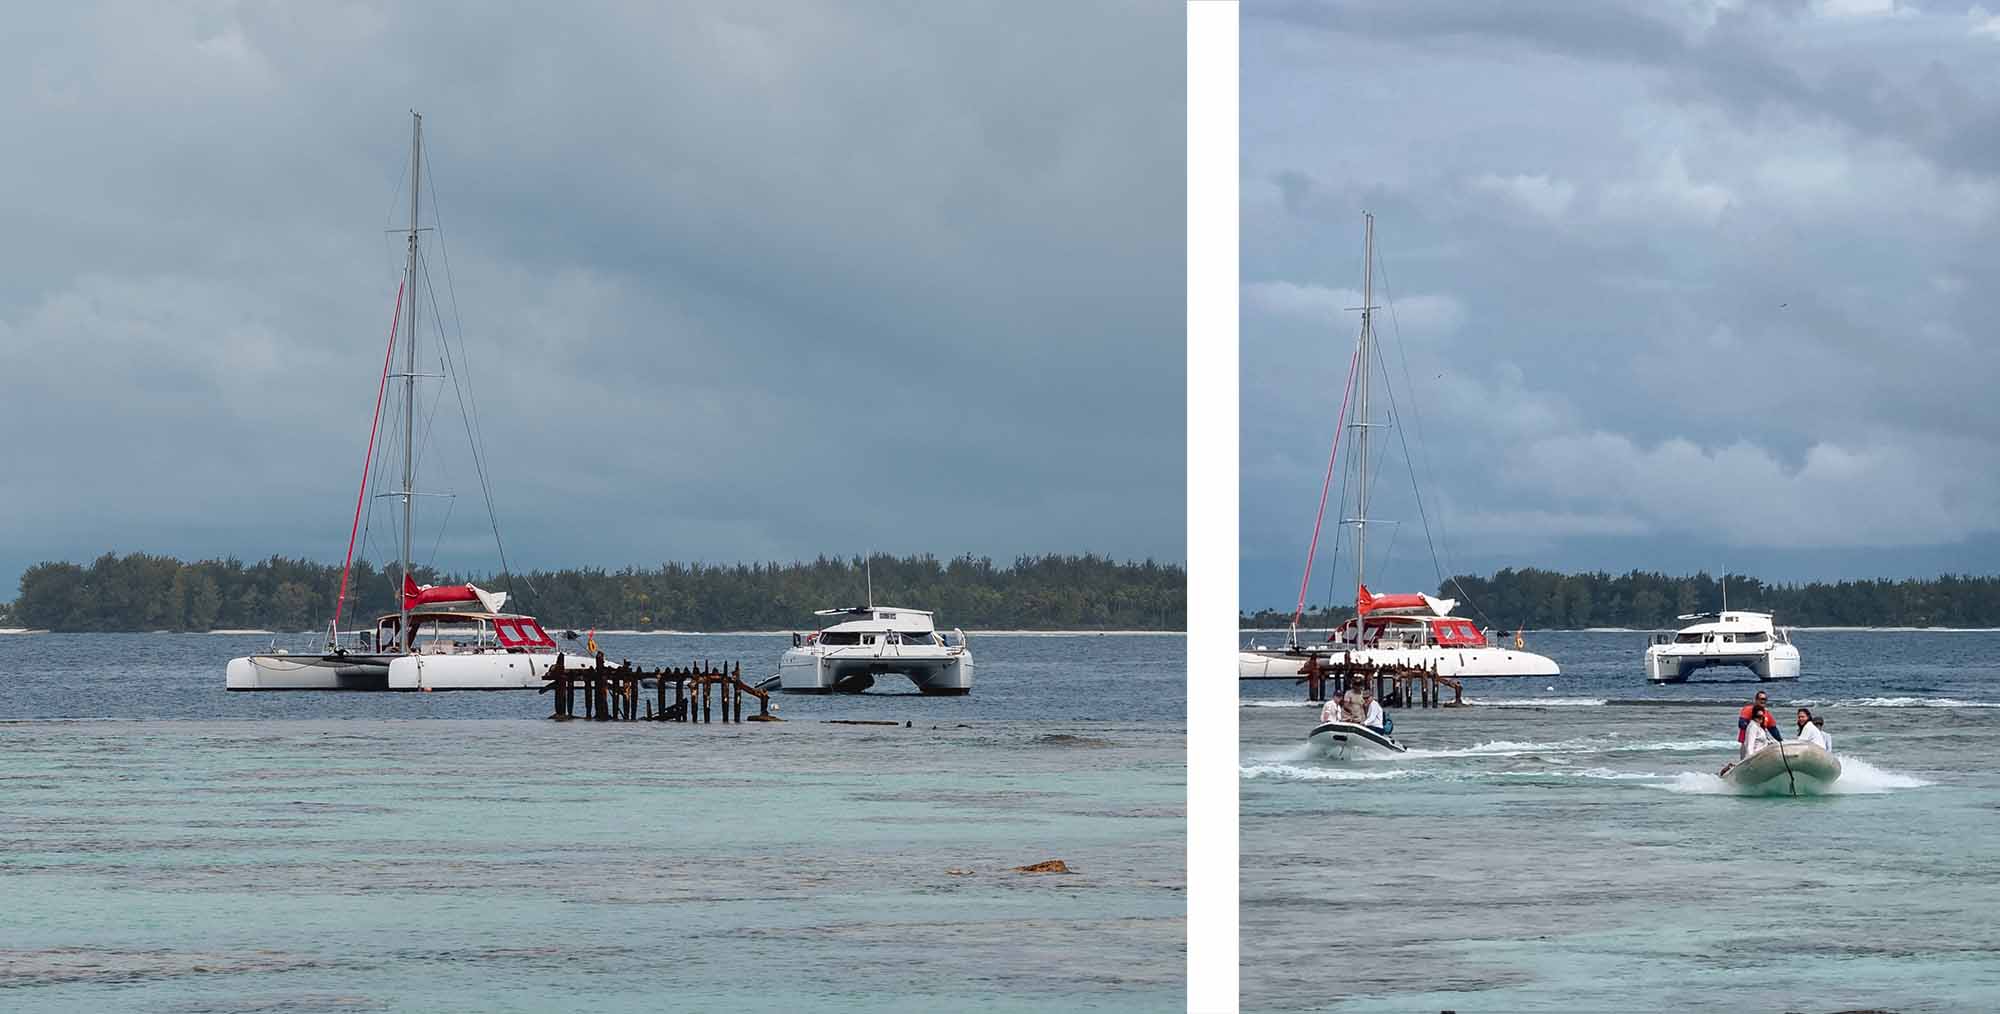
[(410, 375), (1361, 377), (1360, 425)]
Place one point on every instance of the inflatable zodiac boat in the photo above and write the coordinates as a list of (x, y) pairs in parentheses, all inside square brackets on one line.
[(1793, 769), (1342, 738)]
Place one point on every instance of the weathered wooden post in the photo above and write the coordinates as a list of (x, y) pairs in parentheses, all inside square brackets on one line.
[(706, 716), (737, 678), (660, 691)]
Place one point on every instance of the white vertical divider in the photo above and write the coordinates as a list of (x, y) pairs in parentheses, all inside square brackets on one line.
[(1212, 367)]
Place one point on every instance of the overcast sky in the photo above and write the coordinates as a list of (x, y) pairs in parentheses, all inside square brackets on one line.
[(1681, 286), (737, 282)]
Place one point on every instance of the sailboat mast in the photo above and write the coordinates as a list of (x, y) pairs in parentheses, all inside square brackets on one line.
[(1361, 378), (410, 377)]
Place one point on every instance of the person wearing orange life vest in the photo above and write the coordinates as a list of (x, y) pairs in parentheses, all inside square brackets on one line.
[(1769, 722)]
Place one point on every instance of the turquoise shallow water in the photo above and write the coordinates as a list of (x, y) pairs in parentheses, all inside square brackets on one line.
[(167, 846), (1579, 856), (372, 865)]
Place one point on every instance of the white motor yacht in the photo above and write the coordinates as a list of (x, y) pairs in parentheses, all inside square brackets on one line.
[(864, 642), (1729, 638)]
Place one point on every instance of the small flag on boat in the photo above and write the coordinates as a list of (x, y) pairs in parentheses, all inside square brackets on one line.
[(590, 643)]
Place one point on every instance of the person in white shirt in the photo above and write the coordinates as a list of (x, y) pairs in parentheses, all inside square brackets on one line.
[(1820, 724), (1757, 739), (1333, 711), (1810, 732), (1373, 718), (1756, 736)]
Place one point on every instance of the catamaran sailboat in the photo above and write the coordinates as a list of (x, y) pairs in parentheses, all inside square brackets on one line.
[(870, 641), (1728, 638), (1397, 629), (452, 637)]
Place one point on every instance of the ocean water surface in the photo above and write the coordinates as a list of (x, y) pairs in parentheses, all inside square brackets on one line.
[(168, 846), (1573, 849)]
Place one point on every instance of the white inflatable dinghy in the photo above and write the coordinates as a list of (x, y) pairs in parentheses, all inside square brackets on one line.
[(1791, 769), (1340, 737)]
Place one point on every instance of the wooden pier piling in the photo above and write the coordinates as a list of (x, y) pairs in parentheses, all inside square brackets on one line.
[(616, 693)]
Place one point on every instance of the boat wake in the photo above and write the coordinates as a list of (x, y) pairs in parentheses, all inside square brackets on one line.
[(1303, 763), (1306, 772), (1857, 778), (1538, 702), (1303, 773), (1511, 748), (1908, 702)]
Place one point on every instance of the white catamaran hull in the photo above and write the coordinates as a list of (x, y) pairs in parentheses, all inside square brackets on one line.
[(482, 671), (1785, 769), (1456, 663), (943, 671), (1673, 663), (1342, 739), (1263, 665), (308, 672)]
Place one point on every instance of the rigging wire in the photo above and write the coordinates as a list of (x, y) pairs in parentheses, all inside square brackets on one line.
[(449, 504), (1340, 539), (451, 368), (1415, 489), (1312, 550), (475, 433), (367, 461)]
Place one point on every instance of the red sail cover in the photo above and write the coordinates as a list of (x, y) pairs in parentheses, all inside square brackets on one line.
[(414, 596), (1365, 603)]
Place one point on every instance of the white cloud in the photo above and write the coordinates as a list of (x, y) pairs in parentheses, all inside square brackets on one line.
[(1859, 8), (1670, 192), (1542, 195), (1984, 24), (1877, 490)]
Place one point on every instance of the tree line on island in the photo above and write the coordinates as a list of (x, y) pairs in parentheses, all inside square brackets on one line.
[(143, 592), (1646, 600)]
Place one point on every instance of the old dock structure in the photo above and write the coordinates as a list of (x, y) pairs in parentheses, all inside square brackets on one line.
[(616, 693), (1396, 686)]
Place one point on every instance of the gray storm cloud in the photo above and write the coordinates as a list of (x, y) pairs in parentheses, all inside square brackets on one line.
[(1714, 273), (735, 283)]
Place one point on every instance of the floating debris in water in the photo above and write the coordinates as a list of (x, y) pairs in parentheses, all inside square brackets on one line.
[(1046, 866)]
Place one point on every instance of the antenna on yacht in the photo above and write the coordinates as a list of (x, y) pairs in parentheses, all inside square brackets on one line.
[(1725, 589), (868, 570)]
